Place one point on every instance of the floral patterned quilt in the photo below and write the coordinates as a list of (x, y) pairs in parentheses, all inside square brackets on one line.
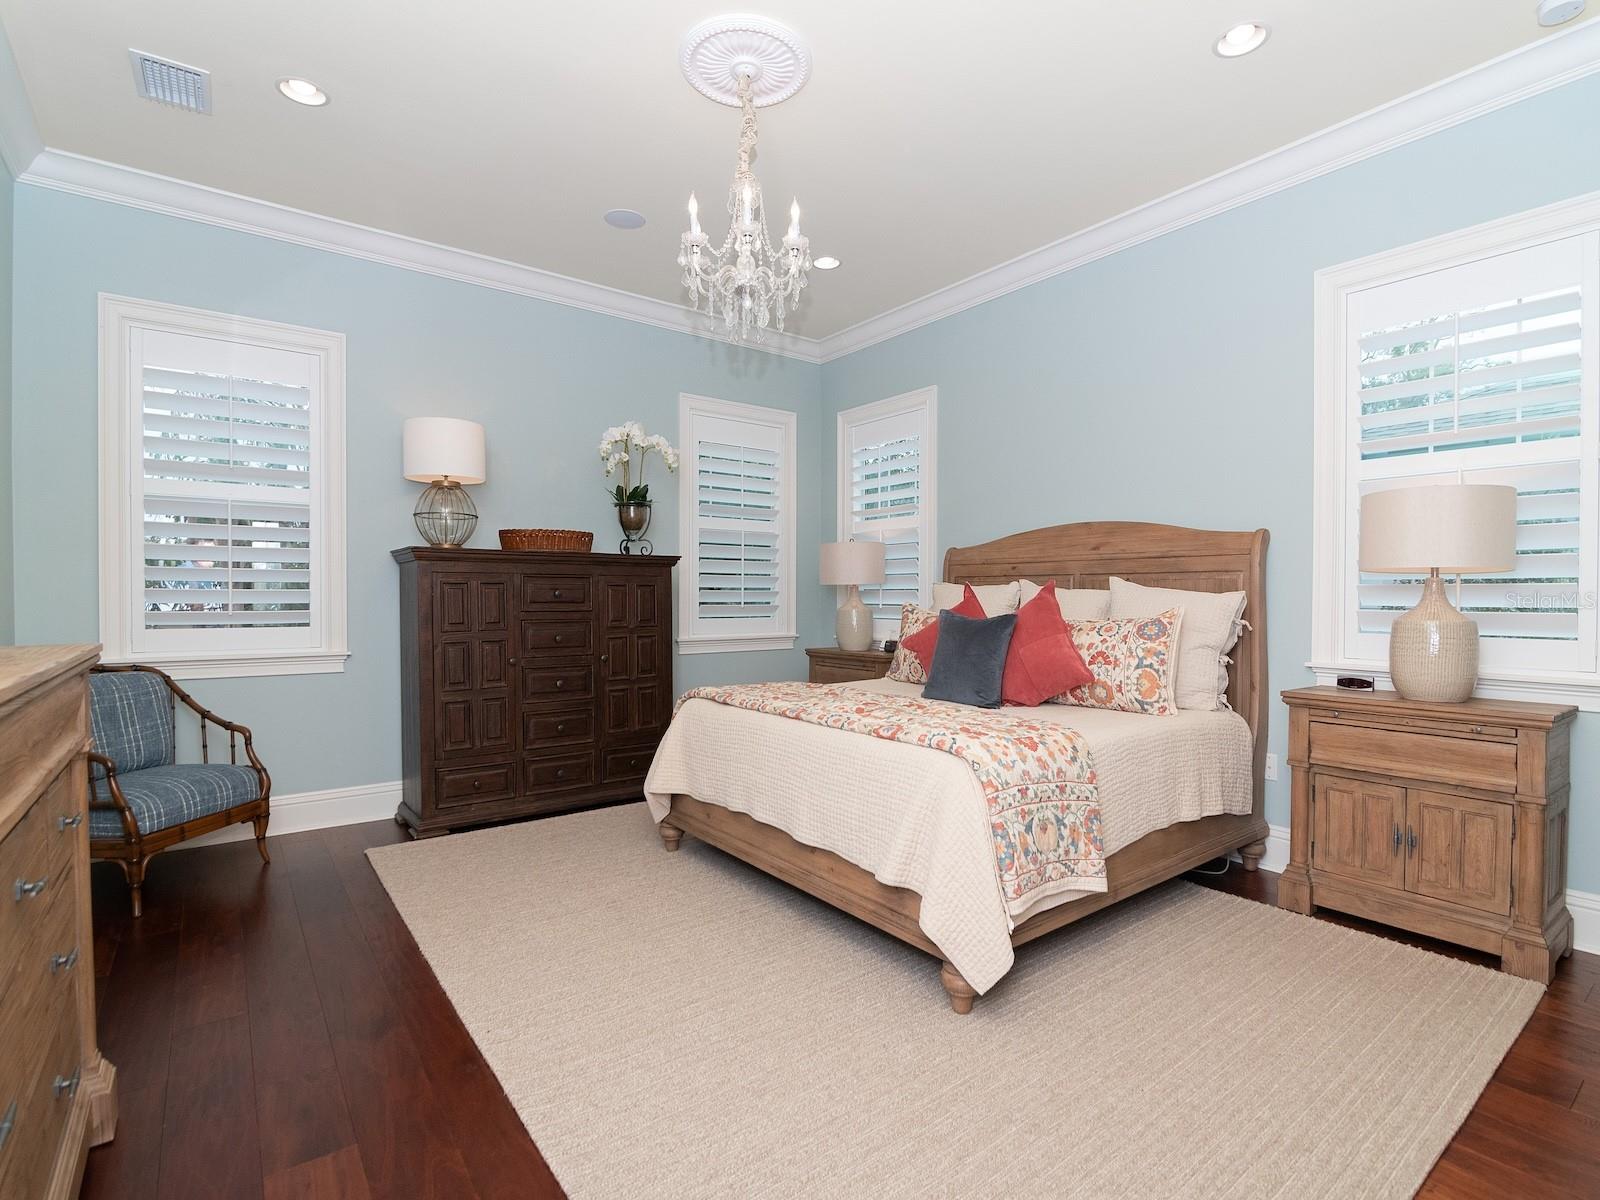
[(1037, 777)]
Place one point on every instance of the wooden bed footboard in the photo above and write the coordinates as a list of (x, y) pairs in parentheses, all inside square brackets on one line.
[(1083, 555), (1153, 859)]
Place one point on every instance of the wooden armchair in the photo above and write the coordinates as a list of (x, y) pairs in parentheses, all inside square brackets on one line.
[(141, 799)]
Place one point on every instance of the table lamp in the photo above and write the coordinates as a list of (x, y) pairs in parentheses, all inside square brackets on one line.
[(1459, 529), (852, 564), (444, 453)]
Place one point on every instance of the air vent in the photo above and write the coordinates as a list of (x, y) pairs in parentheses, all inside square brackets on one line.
[(171, 83)]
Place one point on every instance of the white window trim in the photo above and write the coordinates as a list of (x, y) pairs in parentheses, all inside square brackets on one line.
[(118, 316), (928, 398), (1330, 657), (688, 642)]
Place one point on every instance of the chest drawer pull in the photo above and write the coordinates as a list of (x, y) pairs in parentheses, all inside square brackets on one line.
[(24, 889), (65, 1085), (7, 1124), (64, 962), (71, 822)]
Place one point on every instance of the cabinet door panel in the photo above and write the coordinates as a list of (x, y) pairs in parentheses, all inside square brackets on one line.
[(633, 667), (472, 665), (1354, 829), (1462, 850)]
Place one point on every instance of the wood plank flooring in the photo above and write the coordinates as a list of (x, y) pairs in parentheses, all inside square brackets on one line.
[(278, 1035)]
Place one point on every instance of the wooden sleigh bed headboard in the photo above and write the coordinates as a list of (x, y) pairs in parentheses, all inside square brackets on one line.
[(1087, 554)]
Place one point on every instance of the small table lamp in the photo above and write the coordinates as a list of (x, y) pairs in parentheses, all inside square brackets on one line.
[(852, 563), (444, 453), (1458, 528)]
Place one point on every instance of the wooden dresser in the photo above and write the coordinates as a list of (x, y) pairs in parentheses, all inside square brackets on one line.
[(829, 664), (531, 683), (57, 1095), (1446, 819)]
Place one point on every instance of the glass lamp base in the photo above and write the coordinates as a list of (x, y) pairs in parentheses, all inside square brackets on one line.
[(445, 515)]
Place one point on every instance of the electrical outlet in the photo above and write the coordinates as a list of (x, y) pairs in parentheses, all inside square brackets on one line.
[(1272, 767)]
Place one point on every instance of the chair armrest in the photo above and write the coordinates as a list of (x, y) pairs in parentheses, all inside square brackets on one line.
[(117, 803)]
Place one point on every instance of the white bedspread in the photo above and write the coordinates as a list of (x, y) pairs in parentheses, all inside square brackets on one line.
[(915, 818)]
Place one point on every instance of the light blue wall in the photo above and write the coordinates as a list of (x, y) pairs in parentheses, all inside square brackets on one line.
[(544, 379), (1173, 381), (7, 617)]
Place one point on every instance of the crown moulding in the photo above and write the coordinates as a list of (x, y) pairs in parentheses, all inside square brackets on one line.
[(1551, 62)]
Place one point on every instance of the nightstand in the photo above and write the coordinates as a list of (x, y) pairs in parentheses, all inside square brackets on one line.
[(829, 664), (1449, 820)]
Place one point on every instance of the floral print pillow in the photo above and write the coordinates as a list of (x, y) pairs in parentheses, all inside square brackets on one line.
[(906, 666), (1134, 661)]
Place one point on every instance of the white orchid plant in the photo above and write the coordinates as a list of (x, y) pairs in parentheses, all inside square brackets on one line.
[(627, 446)]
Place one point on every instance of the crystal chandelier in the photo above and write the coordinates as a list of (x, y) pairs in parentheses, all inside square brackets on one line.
[(748, 281)]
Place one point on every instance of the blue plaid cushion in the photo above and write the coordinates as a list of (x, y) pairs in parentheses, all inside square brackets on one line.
[(162, 797), (130, 713)]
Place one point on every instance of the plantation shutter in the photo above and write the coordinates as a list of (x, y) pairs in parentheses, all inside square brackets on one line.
[(228, 537), (885, 475), (740, 533), (1476, 374)]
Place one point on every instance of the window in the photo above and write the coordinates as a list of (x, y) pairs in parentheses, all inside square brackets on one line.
[(738, 516), (886, 494), (222, 492), (1470, 359)]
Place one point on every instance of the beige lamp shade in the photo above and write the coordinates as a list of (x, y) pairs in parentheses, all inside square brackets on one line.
[(444, 448), (1458, 528), (852, 562)]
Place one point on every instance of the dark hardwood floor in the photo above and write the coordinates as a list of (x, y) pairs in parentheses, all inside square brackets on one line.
[(277, 1034)]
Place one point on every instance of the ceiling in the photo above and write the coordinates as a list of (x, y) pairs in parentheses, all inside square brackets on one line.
[(933, 141)]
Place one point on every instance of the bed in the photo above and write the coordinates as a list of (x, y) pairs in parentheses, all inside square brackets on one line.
[(902, 856)]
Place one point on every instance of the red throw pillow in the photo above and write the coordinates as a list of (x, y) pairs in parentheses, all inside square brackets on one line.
[(1043, 660), (923, 642)]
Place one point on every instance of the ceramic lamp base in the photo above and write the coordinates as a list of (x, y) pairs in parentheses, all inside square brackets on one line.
[(1433, 649), (852, 628)]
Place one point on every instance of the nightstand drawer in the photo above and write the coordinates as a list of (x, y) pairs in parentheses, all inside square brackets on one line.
[(1489, 765)]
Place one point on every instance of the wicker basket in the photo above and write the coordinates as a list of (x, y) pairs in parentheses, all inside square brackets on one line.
[(580, 540)]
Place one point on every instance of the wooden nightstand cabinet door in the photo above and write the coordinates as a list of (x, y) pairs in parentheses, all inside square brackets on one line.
[(1462, 850), (1355, 827)]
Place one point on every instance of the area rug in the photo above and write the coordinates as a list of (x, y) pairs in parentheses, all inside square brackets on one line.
[(680, 1025)]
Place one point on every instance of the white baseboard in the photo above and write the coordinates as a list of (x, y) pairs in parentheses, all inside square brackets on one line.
[(301, 811), (1584, 906)]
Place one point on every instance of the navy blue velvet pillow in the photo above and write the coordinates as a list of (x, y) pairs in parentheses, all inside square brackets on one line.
[(970, 662)]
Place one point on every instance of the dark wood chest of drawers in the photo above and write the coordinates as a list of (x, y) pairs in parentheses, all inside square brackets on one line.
[(530, 682)]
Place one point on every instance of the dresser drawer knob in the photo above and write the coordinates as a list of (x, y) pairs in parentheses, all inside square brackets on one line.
[(561, 727), (7, 1124), (476, 784), (511, 661), (71, 822), (560, 683), (559, 639), (23, 888), (65, 1085), (561, 772), (556, 595), (1477, 729), (63, 962)]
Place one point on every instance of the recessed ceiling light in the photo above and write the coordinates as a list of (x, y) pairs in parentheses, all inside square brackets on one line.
[(624, 218), (826, 263), (1558, 12), (1241, 39), (303, 91)]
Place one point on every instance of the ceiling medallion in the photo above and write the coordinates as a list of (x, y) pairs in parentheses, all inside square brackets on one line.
[(751, 62)]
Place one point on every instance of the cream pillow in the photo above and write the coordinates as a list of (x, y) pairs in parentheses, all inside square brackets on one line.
[(997, 598), (1210, 628), (1077, 604)]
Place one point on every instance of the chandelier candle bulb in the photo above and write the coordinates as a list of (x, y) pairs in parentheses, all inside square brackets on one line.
[(694, 216), (794, 219)]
